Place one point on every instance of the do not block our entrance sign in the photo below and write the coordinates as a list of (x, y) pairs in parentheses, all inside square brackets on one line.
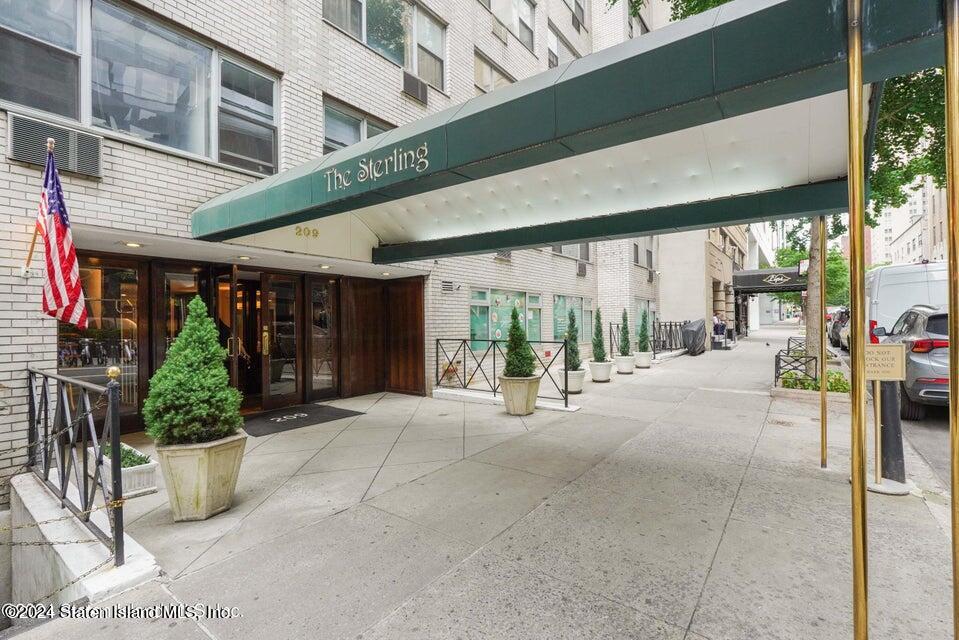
[(885, 362)]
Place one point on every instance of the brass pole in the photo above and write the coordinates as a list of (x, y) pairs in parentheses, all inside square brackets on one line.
[(952, 212), (857, 322), (877, 419), (823, 365)]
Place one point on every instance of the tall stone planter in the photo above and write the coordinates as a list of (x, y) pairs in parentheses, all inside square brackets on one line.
[(519, 394), (642, 359), (575, 379), (201, 478), (625, 365), (599, 371)]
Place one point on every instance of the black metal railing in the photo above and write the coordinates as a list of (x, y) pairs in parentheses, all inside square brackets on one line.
[(796, 344), (473, 364), (69, 443), (614, 331), (796, 362), (667, 336)]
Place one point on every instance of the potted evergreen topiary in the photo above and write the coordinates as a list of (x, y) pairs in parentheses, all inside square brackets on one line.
[(599, 366), (624, 360), (643, 356), (520, 387), (575, 373), (193, 414)]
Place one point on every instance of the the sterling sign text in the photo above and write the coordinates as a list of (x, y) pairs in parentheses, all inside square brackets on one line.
[(371, 170)]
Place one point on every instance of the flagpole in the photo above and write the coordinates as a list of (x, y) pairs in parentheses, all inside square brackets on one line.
[(33, 241)]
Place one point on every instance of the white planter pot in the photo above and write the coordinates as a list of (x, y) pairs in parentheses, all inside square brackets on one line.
[(201, 478), (625, 364), (519, 394), (574, 380), (136, 481), (643, 359), (599, 371)]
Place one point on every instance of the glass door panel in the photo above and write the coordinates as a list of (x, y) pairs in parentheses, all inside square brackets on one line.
[(112, 336), (278, 337), (324, 356), (177, 286)]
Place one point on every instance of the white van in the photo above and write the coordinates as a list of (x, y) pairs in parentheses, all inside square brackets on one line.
[(891, 290)]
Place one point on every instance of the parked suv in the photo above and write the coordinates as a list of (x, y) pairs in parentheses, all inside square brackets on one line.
[(924, 331)]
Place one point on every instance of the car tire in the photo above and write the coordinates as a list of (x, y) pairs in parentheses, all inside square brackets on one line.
[(908, 408)]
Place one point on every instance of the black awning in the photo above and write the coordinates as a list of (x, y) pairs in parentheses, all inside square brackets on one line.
[(768, 280)]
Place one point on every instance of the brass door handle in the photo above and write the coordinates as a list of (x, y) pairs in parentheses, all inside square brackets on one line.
[(266, 341)]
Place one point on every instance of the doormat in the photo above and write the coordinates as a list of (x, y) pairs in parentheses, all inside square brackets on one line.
[(295, 417)]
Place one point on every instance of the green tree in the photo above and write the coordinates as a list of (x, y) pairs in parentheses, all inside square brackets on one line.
[(520, 361), (573, 360), (190, 398), (837, 275), (624, 349), (599, 345), (910, 130), (642, 342)]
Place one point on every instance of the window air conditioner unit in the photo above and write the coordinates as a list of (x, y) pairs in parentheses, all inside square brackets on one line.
[(581, 269), (415, 88), (75, 151), (503, 255)]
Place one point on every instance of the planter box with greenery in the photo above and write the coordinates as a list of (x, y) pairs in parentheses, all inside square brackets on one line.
[(792, 385), (575, 373), (643, 356), (625, 363), (138, 472), (520, 387), (599, 367), (193, 414)]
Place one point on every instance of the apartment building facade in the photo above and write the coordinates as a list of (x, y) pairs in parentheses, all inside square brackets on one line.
[(157, 107)]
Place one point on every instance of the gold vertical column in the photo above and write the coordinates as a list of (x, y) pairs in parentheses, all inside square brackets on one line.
[(857, 322), (952, 196), (823, 365)]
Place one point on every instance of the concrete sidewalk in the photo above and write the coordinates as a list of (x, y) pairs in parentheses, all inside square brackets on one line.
[(680, 502)]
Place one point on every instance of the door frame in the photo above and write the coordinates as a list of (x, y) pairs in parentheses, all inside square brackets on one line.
[(310, 393), (268, 401)]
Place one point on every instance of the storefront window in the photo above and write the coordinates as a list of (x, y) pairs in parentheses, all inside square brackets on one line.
[(110, 338), (322, 338), (491, 313), (582, 311)]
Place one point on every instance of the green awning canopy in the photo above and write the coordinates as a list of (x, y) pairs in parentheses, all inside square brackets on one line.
[(733, 115)]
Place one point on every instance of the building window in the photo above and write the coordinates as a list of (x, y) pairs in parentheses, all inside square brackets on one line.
[(559, 51), (41, 63), (580, 251), (150, 81), (491, 313), (582, 310), (636, 253), (517, 15), (486, 77), (636, 26), (343, 126), (403, 33), (146, 81), (247, 131)]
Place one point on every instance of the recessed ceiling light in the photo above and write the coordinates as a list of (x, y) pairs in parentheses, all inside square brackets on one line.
[(243, 258), (133, 245), (386, 273), (324, 266)]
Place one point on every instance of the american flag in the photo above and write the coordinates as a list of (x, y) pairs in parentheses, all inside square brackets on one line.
[(62, 292)]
